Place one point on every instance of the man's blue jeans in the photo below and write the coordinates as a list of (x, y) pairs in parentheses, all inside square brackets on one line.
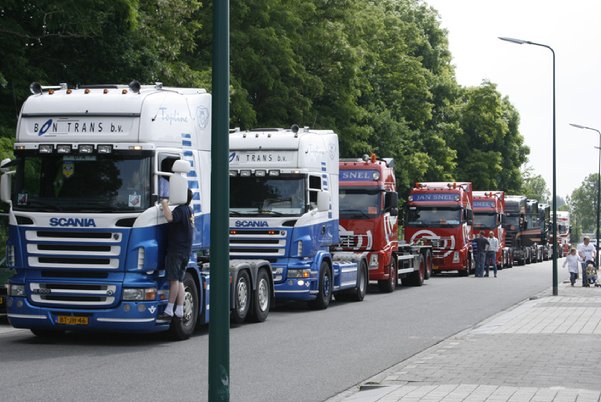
[(584, 278), (491, 259), (480, 259)]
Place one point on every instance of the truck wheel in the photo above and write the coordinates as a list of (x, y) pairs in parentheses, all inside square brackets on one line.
[(359, 292), (417, 277), (182, 328), (242, 294), (324, 295), (262, 298), (428, 264), (467, 269), (389, 285)]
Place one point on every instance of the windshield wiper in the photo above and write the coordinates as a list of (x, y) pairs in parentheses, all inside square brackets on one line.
[(355, 212), (44, 205), (270, 212)]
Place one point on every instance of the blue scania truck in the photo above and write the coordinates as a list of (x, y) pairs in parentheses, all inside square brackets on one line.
[(87, 236), (285, 209)]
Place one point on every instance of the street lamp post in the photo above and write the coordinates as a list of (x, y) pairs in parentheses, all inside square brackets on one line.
[(598, 185), (526, 42)]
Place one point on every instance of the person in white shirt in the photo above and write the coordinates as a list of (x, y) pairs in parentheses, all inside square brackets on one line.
[(491, 253), (586, 252), (572, 262)]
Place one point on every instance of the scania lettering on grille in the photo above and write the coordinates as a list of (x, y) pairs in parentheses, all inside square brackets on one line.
[(74, 222), (252, 224)]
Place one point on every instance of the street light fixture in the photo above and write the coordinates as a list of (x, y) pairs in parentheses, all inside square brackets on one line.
[(527, 42), (598, 185)]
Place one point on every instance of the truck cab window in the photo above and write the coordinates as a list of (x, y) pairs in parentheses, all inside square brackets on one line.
[(94, 183), (314, 188)]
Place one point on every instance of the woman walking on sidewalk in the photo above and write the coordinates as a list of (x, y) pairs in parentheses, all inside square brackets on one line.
[(572, 262)]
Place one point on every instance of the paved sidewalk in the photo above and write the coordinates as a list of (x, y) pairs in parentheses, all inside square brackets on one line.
[(547, 348)]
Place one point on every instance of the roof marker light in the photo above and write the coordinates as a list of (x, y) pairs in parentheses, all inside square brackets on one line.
[(86, 148)]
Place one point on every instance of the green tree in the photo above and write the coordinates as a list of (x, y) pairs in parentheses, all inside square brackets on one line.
[(535, 187), (489, 146), (583, 204)]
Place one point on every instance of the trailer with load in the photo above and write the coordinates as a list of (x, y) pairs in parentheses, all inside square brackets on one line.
[(284, 208), (440, 214), (87, 236), (369, 224)]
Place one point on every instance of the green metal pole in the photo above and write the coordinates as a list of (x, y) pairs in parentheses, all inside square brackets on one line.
[(598, 201), (555, 288), (219, 325)]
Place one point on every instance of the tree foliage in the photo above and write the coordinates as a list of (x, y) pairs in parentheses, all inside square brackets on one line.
[(583, 204), (378, 72)]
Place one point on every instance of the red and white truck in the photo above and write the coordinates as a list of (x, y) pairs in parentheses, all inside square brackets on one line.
[(369, 224), (489, 213), (440, 214)]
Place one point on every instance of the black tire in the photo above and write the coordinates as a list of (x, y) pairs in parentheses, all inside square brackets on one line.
[(359, 291), (47, 333), (182, 328), (388, 286), (261, 303), (242, 298), (324, 295), (429, 263), (417, 277)]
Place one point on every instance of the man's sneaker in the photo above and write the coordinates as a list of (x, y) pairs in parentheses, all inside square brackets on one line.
[(164, 317)]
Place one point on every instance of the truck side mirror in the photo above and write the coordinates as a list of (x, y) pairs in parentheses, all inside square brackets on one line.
[(5, 180), (5, 185), (391, 200), (178, 183), (323, 201)]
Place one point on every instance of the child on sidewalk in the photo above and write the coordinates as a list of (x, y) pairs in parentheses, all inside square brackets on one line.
[(572, 262)]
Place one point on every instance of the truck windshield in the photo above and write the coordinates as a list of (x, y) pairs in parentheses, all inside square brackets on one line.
[(268, 196), (512, 221), (433, 217), (82, 183), (485, 221), (359, 204), (563, 229)]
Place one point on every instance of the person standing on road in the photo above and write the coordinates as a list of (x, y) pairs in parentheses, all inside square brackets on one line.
[(491, 253), (572, 262), (179, 248), (481, 247), (586, 252)]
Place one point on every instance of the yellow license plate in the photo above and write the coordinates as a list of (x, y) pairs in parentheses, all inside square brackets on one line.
[(72, 320)]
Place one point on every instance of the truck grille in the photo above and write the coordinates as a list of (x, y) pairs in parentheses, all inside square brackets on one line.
[(264, 243), (88, 295), (355, 242), (73, 249)]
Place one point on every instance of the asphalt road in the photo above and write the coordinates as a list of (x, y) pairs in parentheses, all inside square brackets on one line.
[(296, 355)]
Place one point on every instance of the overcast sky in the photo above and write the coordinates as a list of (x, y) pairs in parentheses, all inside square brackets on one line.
[(524, 73)]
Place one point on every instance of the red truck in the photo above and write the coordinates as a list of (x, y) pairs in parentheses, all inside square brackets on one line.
[(440, 214), (489, 214), (368, 205)]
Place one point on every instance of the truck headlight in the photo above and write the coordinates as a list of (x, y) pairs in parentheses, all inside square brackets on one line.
[(139, 294), (373, 261), (299, 273), (16, 290)]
